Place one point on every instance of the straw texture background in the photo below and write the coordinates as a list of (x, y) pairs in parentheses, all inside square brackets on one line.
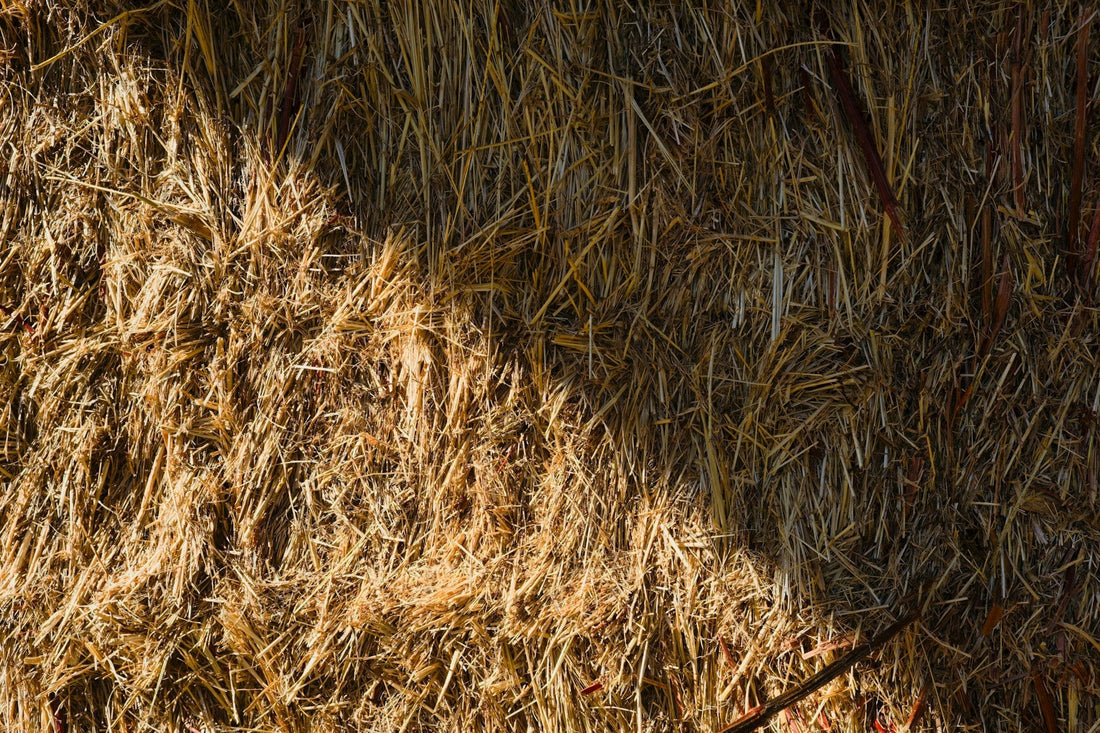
[(489, 366)]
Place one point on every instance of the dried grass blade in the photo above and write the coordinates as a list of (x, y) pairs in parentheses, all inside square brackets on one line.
[(1050, 717), (918, 709), (992, 619), (726, 652), (854, 112), (1017, 113), (766, 78), (290, 94), (1080, 128), (594, 687), (987, 247), (1000, 306), (913, 479)]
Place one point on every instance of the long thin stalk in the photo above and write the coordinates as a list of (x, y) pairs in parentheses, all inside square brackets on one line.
[(761, 714)]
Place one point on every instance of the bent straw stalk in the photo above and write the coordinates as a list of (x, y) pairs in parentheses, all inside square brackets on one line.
[(761, 714)]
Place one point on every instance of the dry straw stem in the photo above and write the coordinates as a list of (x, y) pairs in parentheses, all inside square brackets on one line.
[(505, 366), (758, 717)]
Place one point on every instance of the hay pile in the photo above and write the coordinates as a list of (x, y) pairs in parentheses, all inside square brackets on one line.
[(478, 366)]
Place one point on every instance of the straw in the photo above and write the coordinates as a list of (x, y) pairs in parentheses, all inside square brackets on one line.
[(423, 366)]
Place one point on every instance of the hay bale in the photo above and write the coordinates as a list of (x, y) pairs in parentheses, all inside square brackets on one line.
[(434, 366)]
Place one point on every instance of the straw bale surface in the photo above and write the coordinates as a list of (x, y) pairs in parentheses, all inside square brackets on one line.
[(497, 366)]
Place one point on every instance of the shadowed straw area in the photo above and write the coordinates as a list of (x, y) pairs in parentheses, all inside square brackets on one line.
[(450, 366)]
